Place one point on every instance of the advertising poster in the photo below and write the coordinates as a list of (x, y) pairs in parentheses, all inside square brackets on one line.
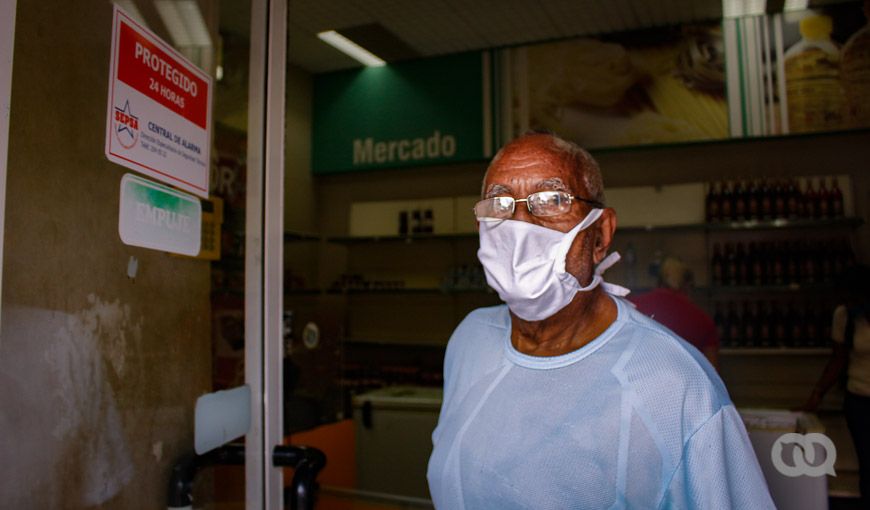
[(159, 109), (800, 71), (660, 86)]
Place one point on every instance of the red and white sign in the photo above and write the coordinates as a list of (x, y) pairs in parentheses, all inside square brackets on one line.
[(159, 114)]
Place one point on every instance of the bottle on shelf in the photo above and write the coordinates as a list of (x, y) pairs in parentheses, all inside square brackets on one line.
[(753, 200), (756, 264), (826, 262), (740, 198), (855, 75), (791, 254), (810, 200), (780, 327), (767, 258), (792, 207), (795, 323), (726, 204), (765, 332), (824, 200), (809, 257), (742, 262), (779, 200), (733, 329), (766, 199), (777, 272), (750, 323), (712, 202), (837, 195), (717, 264), (814, 94), (799, 198), (729, 277)]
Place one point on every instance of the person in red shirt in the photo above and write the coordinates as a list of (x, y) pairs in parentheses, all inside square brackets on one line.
[(669, 304)]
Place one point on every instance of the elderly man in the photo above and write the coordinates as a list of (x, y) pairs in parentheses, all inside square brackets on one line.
[(567, 397)]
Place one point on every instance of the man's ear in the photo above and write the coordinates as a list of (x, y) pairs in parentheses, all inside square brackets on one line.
[(606, 228)]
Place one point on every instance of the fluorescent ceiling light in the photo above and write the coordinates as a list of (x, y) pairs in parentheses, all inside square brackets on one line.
[(130, 8), (350, 48), (740, 8), (184, 22), (796, 5)]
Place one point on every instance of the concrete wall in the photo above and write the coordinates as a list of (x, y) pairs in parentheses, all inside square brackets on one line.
[(99, 372)]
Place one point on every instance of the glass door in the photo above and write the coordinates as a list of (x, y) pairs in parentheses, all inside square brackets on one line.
[(106, 345)]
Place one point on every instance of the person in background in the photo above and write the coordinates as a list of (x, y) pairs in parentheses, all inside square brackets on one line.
[(669, 304), (850, 357), (566, 396)]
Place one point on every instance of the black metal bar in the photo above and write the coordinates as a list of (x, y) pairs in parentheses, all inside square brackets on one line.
[(307, 463), (180, 494), (301, 494)]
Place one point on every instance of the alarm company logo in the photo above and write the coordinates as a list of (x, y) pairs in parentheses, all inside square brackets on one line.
[(126, 126)]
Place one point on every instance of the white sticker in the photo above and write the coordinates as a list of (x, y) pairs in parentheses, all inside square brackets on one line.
[(159, 217)]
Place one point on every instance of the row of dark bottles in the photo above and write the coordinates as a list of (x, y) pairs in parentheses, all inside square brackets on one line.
[(763, 199), (359, 378), (780, 262), (760, 323)]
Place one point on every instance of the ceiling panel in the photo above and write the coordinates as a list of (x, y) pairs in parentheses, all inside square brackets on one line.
[(437, 27), (569, 18)]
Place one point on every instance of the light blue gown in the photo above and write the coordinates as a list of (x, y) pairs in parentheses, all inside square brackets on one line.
[(635, 419)]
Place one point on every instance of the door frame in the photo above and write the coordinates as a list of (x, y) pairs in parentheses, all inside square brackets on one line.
[(7, 46), (264, 250), (263, 243)]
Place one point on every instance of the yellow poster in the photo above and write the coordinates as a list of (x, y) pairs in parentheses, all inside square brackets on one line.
[(667, 87)]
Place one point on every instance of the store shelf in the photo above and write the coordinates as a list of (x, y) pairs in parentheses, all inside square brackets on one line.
[(294, 236), (783, 224), (302, 292), (392, 343), (401, 239), (774, 351), (410, 290), (693, 227), (769, 289)]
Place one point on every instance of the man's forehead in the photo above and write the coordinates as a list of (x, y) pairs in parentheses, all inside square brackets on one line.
[(546, 183), (541, 183)]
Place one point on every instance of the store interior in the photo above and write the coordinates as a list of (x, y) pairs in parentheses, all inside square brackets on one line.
[(386, 297), (380, 261)]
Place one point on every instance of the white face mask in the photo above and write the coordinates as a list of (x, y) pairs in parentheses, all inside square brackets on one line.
[(525, 264)]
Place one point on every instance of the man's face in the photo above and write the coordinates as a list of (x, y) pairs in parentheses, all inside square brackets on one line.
[(530, 165)]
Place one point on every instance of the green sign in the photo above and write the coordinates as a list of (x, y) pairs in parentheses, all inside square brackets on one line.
[(413, 113)]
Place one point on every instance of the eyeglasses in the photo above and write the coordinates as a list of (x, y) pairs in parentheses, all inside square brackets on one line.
[(542, 203)]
